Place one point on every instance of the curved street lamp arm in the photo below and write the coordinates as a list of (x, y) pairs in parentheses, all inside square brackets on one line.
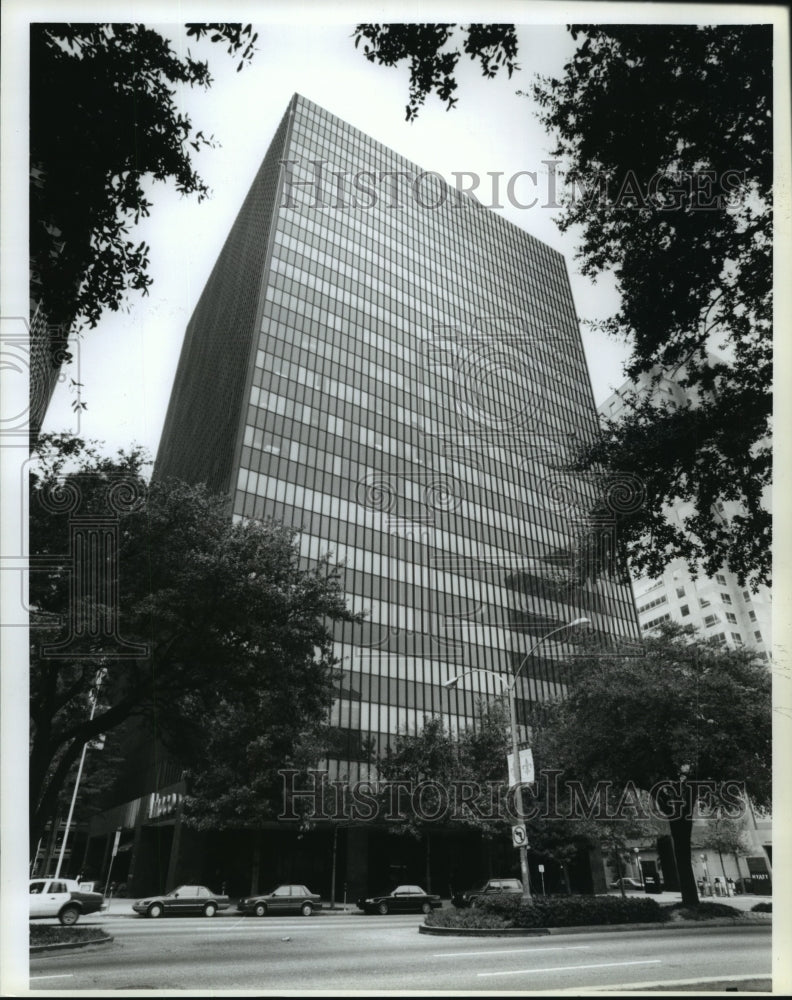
[(538, 643)]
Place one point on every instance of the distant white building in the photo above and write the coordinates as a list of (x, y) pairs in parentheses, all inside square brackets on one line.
[(717, 606)]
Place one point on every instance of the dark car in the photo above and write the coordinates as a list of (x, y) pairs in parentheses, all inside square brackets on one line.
[(192, 900), (284, 899), (403, 899), (63, 898), (628, 883), (492, 888)]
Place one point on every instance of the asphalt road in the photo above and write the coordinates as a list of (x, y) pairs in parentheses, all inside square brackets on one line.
[(351, 952)]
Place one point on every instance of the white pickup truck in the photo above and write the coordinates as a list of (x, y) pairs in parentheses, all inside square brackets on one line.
[(62, 898)]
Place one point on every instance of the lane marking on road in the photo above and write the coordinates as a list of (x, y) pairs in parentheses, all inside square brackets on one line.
[(511, 951), (568, 968), (62, 975)]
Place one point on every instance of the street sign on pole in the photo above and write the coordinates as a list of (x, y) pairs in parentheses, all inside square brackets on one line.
[(519, 835), (115, 842), (526, 768)]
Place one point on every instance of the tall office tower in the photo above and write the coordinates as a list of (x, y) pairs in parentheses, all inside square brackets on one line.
[(384, 364), (717, 606)]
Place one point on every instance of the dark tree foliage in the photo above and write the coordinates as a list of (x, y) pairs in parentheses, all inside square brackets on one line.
[(433, 64), (104, 119), (426, 759), (231, 621), (682, 710), (665, 133)]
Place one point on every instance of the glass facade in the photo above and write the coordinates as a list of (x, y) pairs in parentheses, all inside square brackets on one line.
[(397, 372)]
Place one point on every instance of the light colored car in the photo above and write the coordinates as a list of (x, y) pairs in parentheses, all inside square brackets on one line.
[(63, 898), (185, 900), (284, 899), (628, 883)]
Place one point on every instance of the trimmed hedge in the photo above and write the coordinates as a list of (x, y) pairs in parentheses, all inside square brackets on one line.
[(575, 911), (762, 908), (52, 934), (466, 918)]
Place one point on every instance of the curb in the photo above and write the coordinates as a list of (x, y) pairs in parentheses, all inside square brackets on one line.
[(62, 946), (485, 931), (670, 925)]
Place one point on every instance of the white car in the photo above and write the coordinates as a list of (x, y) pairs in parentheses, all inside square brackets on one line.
[(63, 898)]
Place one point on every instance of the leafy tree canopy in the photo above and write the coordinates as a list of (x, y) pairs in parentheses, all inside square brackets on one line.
[(431, 55), (664, 136), (226, 620), (681, 710), (103, 118), (665, 133)]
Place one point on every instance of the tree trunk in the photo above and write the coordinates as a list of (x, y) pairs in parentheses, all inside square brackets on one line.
[(333, 869), (681, 829), (256, 864), (428, 862), (723, 869), (620, 870)]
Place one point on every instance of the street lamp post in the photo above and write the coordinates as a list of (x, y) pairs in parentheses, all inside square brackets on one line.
[(94, 696), (509, 688)]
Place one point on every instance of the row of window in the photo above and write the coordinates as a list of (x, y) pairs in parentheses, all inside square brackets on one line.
[(653, 604), (440, 224), (297, 232), (440, 497), (547, 321), (380, 384)]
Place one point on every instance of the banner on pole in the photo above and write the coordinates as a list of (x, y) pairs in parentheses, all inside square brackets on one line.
[(526, 767)]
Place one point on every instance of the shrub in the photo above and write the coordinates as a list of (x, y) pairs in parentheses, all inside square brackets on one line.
[(762, 908), (576, 911), (704, 911), (466, 918)]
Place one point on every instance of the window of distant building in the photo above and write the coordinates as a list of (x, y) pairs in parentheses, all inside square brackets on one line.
[(726, 599), (652, 604), (680, 591), (737, 638), (731, 617), (720, 637), (704, 603), (758, 636), (655, 621), (711, 620), (684, 610), (752, 615), (721, 579), (746, 596)]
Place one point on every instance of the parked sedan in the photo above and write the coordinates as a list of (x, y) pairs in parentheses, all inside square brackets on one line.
[(195, 900), (403, 899), (494, 888), (628, 883), (62, 898), (284, 899)]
